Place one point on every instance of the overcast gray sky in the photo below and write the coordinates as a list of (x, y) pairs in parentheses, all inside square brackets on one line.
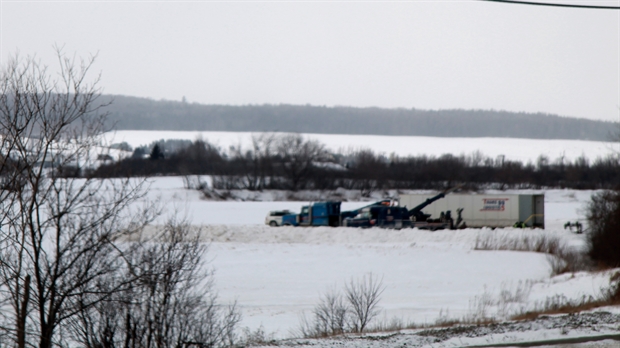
[(422, 54)]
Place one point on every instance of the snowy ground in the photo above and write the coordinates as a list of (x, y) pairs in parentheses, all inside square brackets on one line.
[(598, 329), (277, 274), (514, 149)]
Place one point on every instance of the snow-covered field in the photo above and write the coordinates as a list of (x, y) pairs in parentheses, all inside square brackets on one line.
[(277, 274), (514, 149)]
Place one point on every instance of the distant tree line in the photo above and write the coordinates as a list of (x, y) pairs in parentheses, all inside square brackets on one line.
[(129, 113), (292, 162)]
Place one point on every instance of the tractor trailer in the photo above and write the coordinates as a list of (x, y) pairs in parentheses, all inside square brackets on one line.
[(487, 210)]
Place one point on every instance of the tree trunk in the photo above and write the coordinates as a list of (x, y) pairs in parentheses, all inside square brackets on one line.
[(23, 312)]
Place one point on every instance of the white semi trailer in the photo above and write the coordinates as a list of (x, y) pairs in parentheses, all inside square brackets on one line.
[(485, 210)]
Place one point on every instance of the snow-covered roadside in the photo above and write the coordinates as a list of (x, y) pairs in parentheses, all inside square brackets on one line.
[(601, 327)]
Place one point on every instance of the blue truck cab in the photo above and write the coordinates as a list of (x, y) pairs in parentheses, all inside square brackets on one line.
[(315, 214)]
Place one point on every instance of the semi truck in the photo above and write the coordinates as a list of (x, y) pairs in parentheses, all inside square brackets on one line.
[(315, 214), (324, 214), (385, 213)]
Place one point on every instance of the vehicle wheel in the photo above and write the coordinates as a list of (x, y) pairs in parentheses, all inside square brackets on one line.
[(273, 224), (287, 224)]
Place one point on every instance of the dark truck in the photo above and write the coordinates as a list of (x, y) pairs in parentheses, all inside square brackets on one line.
[(392, 216), (380, 216), (323, 214)]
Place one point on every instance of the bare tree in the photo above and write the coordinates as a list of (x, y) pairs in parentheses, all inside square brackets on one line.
[(367, 171), (256, 163), (603, 238), (352, 312), (264, 148), (298, 157), (332, 313), (329, 317), (58, 233), (364, 296), (171, 303)]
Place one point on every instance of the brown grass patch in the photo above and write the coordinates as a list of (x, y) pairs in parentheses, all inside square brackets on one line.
[(561, 257), (565, 309)]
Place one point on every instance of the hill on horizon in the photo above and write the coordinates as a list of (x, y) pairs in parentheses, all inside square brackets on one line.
[(132, 113)]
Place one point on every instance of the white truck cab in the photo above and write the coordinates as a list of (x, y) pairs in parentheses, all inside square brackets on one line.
[(274, 218)]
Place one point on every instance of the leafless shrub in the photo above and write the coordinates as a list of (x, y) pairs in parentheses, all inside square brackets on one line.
[(256, 163), (487, 308), (568, 260), (557, 304), (331, 314), (363, 296), (227, 182), (297, 157), (444, 319), (170, 303), (193, 182), (480, 309), (512, 304), (562, 258), (539, 243), (612, 293), (603, 215), (339, 313), (306, 328), (330, 317), (257, 337), (515, 294), (558, 265), (512, 298)]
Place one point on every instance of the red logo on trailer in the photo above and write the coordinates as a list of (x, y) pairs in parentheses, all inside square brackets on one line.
[(493, 204)]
